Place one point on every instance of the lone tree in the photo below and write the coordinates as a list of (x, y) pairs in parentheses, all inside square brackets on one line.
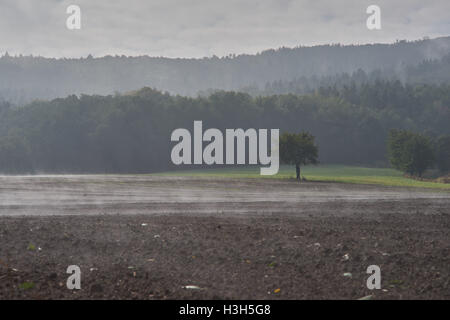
[(410, 152), (298, 149)]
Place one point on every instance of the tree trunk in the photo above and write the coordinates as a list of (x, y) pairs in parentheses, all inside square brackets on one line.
[(297, 169)]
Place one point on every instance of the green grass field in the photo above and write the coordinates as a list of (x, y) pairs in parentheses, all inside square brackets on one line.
[(334, 173)]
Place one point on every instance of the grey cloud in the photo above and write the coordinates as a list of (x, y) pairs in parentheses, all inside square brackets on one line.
[(196, 28)]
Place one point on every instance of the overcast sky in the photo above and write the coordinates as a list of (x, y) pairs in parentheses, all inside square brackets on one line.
[(198, 28)]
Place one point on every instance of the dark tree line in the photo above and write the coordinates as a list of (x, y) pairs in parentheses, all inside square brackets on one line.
[(131, 133)]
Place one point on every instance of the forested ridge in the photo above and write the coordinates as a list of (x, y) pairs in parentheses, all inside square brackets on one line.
[(435, 71), (131, 132), (300, 69)]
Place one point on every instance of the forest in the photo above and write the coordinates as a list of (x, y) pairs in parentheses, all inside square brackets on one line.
[(284, 70), (130, 132)]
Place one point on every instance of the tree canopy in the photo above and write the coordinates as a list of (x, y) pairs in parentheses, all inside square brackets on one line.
[(410, 152), (298, 149)]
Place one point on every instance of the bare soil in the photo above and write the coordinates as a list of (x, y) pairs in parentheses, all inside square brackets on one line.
[(146, 237)]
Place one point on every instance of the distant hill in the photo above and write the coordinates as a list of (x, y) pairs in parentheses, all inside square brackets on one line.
[(25, 78), (428, 72)]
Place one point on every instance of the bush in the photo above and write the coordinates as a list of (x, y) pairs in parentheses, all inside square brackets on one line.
[(410, 152)]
